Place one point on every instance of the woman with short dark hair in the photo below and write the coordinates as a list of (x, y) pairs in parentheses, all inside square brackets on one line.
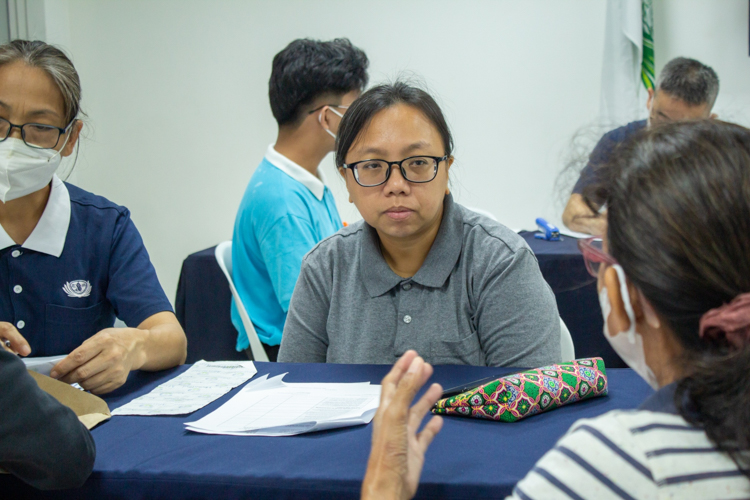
[(420, 271)]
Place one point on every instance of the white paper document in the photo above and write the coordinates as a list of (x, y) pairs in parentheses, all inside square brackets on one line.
[(199, 385), (271, 407), (43, 364), (575, 234)]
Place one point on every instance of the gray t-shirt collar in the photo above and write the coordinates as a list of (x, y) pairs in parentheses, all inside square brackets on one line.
[(446, 249)]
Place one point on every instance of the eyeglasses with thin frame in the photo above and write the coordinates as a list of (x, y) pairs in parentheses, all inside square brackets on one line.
[(416, 169), (329, 105), (594, 256), (35, 135)]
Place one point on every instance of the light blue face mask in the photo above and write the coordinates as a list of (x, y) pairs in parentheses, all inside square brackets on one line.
[(628, 345)]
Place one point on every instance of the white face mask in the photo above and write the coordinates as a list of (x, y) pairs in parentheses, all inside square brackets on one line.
[(628, 345), (23, 169), (320, 119)]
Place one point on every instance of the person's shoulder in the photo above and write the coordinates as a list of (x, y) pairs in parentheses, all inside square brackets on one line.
[(341, 245), (488, 235), (628, 423), (90, 202), (272, 194), (637, 125), (620, 134)]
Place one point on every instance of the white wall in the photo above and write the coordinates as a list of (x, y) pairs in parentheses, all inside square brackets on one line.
[(176, 93)]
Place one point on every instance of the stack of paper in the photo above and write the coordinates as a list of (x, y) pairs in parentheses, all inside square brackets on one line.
[(44, 364), (202, 383), (271, 407)]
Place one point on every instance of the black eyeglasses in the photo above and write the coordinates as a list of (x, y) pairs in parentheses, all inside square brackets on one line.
[(35, 135), (416, 169), (329, 105)]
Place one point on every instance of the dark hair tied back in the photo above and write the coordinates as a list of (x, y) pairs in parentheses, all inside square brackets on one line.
[(678, 221)]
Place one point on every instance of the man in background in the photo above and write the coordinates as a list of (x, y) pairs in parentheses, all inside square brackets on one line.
[(685, 90), (287, 208)]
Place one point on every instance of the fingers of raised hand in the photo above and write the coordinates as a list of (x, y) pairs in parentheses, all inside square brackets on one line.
[(421, 407), (411, 382), (429, 432), (390, 381)]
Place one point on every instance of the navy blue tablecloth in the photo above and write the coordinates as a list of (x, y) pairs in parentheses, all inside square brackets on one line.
[(564, 270), (203, 302), (154, 457)]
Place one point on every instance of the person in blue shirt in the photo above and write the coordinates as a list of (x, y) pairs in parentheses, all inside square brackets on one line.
[(685, 90), (287, 208), (70, 261)]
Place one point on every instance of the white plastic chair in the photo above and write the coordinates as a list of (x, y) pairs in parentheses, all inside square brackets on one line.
[(567, 349), (223, 255)]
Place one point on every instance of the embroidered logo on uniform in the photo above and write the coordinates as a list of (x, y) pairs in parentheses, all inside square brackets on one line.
[(77, 288)]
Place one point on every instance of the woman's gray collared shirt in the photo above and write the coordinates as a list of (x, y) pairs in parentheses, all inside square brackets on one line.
[(478, 299)]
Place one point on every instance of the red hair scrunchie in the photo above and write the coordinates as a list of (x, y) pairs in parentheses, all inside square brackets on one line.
[(730, 320)]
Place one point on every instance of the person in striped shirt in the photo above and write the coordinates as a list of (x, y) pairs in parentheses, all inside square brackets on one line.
[(674, 280)]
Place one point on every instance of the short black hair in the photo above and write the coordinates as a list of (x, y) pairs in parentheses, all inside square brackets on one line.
[(361, 112), (306, 69), (690, 81)]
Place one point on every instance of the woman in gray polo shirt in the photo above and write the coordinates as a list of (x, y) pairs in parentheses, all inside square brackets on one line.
[(420, 271)]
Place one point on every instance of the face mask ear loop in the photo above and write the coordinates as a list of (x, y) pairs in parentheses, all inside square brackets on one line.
[(320, 120), (59, 152), (626, 301)]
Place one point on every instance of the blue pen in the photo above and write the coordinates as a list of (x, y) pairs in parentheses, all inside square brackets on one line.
[(547, 231)]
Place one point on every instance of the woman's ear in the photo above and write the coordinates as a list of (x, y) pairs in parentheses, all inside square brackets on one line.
[(448, 164), (75, 132), (618, 320), (648, 311)]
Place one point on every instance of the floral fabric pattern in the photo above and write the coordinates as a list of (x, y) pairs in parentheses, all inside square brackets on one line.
[(521, 395)]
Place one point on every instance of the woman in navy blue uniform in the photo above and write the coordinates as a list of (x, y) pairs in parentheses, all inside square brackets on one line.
[(70, 261)]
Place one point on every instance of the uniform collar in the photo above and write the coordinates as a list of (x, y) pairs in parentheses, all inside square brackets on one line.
[(50, 232), (662, 401), (316, 185), (437, 267)]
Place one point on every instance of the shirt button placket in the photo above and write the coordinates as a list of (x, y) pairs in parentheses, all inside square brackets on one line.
[(17, 289), (406, 287)]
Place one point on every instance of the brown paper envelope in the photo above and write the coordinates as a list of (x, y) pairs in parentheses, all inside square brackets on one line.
[(91, 410)]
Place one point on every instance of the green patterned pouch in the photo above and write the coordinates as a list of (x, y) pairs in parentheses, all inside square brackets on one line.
[(517, 396)]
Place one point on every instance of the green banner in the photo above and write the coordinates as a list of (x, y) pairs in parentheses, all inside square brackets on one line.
[(647, 63)]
